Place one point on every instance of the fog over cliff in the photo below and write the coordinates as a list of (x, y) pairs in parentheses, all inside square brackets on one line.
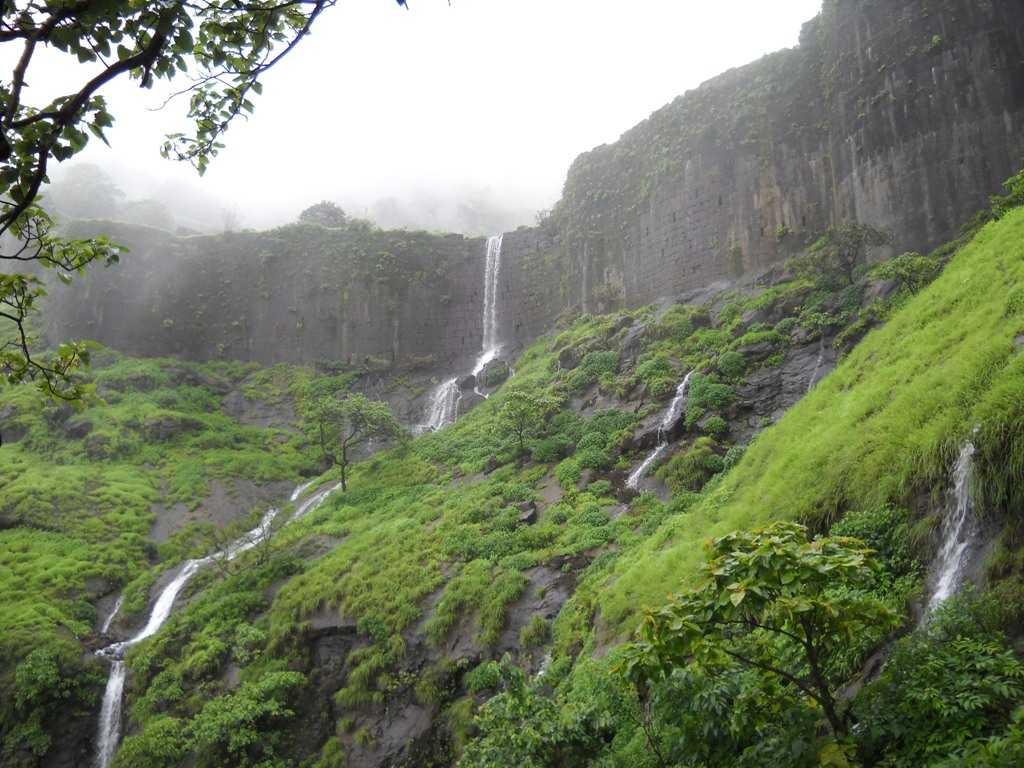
[(457, 116)]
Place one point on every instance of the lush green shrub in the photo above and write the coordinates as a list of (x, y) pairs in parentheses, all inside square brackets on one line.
[(549, 449), (732, 365), (691, 469), (732, 456), (706, 395), (535, 633), (656, 373), (911, 270), (483, 677), (716, 426), (568, 473), (786, 326), (593, 366), (678, 323), (954, 680)]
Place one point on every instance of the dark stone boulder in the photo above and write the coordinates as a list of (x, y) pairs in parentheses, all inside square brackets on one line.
[(166, 426), (754, 316), (879, 290), (767, 393), (467, 384), (77, 427), (138, 381), (193, 378), (99, 446), (494, 373), (568, 359), (618, 327), (755, 353), (468, 401), (527, 513)]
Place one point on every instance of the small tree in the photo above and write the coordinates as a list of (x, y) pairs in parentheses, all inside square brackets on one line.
[(338, 426), (523, 415), (325, 214), (772, 601), (835, 258)]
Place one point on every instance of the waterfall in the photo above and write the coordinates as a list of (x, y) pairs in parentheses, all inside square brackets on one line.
[(113, 614), (817, 365), (300, 490), (109, 733), (314, 501), (958, 532), (110, 716), (444, 402), (675, 410), (491, 346)]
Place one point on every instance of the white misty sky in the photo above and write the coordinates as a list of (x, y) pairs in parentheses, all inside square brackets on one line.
[(497, 95)]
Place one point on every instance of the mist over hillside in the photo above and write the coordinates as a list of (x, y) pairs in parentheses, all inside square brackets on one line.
[(86, 190)]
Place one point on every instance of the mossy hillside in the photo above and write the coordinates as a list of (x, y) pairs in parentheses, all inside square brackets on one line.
[(434, 523), (77, 489), (888, 422), (428, 542)]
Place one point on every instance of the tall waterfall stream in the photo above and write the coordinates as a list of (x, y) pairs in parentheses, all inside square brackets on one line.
[(443, 407), (672, 414), (109, 734)]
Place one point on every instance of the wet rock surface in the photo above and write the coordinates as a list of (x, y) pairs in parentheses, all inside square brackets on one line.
[(769, 392)]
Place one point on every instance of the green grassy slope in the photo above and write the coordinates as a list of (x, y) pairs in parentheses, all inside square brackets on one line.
[(888, 421), (77, 489)]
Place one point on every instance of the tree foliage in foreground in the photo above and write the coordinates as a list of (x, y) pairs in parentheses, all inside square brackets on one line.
[(771, 601)]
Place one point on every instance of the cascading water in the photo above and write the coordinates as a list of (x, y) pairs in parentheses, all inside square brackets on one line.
[(675, 410), (492, 269), (817, 366), (109, 733), (110, 715), (443, 408), (300, 490), (958, 532), (444, 405), (314, 501), (113, 615)]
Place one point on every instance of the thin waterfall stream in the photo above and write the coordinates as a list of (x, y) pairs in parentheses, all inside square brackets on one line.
[(491, 347), (443, 405), (672, 414), (959, 531), (109, 733), (817, 365)]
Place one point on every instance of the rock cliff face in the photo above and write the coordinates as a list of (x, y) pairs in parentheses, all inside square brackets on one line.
[(296, 294), (903, 114)]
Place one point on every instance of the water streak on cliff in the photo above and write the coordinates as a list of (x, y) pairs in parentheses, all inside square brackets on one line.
[(109, 733), (491, 340), (668, 421), (112, 615), (958, 532)]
